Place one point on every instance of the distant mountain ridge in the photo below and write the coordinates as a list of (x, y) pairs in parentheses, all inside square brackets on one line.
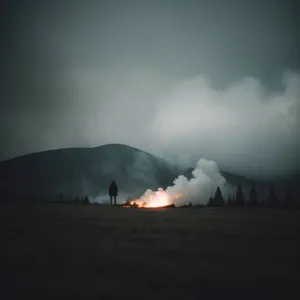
[(88, 171), (82, 171)]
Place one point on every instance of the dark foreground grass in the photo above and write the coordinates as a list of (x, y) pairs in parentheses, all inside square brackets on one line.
[(99, 252)]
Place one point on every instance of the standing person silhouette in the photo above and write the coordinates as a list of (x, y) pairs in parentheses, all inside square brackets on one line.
[(113, 192)]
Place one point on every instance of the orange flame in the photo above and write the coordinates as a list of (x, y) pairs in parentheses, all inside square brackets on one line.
[(150, 199)]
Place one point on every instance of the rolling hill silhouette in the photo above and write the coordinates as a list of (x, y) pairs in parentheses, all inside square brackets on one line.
[(88, 171), (84, 171)]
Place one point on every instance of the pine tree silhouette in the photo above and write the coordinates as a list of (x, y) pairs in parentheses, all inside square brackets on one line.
[(253, 199), (210, 201), (218, 199), (240, 200)]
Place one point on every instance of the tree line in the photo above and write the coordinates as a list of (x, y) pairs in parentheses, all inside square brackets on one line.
[(217, 200), (76, 200), (239, 200)]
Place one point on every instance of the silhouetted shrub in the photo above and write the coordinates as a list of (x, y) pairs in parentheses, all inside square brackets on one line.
[(230, 201), (239, 198)]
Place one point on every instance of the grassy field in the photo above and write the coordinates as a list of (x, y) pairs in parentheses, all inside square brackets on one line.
[(102, 252)]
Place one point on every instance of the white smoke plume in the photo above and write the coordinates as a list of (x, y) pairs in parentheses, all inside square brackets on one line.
[(203, 184)]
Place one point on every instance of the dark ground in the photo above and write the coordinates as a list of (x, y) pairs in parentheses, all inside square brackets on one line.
[(99, 252)]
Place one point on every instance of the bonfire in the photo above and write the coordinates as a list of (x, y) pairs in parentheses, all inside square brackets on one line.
[(133, 204), (152, 199)]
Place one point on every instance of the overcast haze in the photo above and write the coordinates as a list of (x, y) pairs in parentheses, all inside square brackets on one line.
[(182, 79)]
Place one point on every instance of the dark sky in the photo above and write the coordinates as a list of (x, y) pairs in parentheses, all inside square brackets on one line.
[(182, 79)]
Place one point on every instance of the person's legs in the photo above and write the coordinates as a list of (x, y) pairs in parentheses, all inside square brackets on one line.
[(115, 200), (110, 200)]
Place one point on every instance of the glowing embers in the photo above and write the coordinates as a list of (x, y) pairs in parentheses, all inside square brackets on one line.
[(152, 199)]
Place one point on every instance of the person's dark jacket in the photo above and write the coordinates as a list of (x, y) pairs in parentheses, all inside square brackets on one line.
[(113, 189)]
